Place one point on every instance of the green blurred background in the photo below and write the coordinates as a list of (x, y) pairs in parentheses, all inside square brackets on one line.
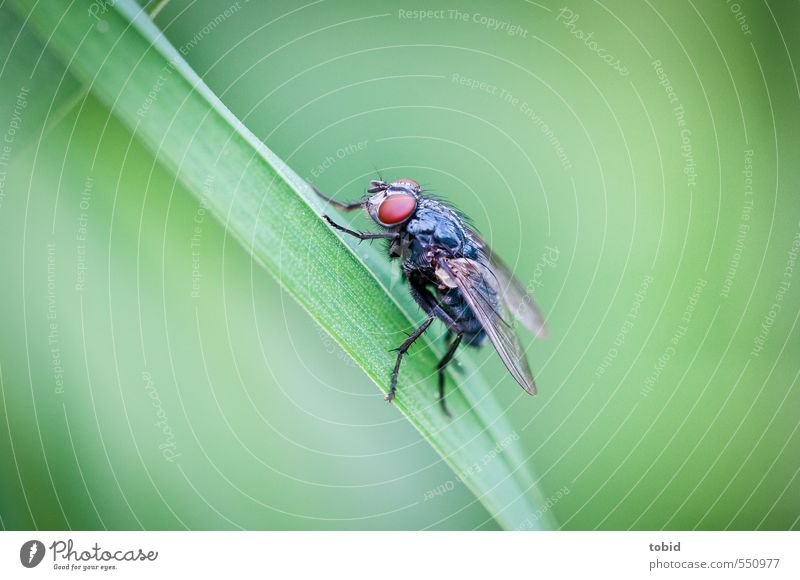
[(637, 164)]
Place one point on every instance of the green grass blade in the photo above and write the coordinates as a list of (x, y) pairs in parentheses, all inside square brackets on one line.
[(133, 69), (36, 86)]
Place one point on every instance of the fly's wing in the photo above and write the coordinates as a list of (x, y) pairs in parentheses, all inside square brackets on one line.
[(516, 297), (478, 284), (518, 300)]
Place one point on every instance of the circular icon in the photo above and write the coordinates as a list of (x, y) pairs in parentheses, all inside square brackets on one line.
[(31, 553)]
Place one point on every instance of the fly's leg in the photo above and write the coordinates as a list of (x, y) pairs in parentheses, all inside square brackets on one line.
[(428, 302), (339, 204), (402, 350), (362, 235), (440, 368)]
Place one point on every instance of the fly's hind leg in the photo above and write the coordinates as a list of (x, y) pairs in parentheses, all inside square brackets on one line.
[(402, 350), (451, 351)]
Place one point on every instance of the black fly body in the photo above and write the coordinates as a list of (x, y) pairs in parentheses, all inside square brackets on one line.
[(452, 274)]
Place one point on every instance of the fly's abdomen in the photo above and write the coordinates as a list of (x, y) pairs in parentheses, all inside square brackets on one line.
[(453, 302)]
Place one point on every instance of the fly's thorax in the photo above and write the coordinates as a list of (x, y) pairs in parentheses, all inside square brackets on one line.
[(436, 225), (417, 252)]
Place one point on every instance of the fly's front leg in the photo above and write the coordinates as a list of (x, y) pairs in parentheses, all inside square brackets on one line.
[(344, 206), (427, 301), (401, 351), (362, 235)]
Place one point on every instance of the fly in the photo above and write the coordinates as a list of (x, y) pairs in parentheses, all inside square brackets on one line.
[(452, 274)]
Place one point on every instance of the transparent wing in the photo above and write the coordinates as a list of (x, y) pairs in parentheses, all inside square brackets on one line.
[(514, 294), (479, 285)]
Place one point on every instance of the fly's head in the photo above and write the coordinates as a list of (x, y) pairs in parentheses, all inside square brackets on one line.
[(392, 204)]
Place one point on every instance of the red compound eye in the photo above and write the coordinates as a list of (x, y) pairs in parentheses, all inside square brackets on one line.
[(396, 208)]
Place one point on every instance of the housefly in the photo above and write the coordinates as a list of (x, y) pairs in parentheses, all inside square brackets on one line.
[(452, 274)]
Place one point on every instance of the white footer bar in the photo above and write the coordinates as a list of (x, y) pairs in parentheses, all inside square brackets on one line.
[(401, 555)]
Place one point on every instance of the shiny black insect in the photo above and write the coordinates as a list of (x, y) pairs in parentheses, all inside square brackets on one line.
[(452, 274)]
